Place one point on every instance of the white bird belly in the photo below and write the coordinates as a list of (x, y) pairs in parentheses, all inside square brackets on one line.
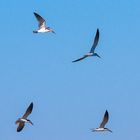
[(43, 30)]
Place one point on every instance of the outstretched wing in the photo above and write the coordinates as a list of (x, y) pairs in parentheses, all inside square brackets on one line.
[(80, 58), (105, 120), (28, 111), (20, 127), (96, 39), (41, 21)]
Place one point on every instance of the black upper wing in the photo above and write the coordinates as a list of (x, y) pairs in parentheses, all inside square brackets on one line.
[(105, 120), (40, 19), (96, 39), (28, 111)]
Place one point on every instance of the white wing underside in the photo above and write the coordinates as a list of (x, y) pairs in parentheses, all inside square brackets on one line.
[(42, 26)]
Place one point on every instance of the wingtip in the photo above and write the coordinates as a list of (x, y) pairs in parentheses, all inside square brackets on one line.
[(34, 13), (97, 30), (31, 104), (74, 61), (106, 113), (19, 130)]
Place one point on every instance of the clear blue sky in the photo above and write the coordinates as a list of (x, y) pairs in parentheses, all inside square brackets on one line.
[(70, 98)]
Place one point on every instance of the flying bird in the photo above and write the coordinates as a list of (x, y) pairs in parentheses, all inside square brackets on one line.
[(103, 123), (42, 25), (21, 121), (91, 53)]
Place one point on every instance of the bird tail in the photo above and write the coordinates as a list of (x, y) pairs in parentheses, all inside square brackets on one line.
[(109, 130), (53, 31), (97, 55), (30, 122)]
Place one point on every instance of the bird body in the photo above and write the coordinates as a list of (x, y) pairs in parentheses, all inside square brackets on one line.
[(89, 54), (101, 129), (21, 121), (43, 30), (42, 25)]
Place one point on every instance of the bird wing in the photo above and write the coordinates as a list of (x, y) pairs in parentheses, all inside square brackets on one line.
[(20, 127), (96, 39), (80, 58), (28, 111), (105, 120), (42, 22)]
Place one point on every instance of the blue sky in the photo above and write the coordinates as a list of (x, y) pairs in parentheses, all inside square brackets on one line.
[(70, 98)]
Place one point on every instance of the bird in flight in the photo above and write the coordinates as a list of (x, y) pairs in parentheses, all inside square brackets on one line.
[(21, 121), (103, 123), (42, 25), (91, 53)]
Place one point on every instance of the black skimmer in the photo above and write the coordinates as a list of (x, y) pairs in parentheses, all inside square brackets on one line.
[(103, 123), (42, 25), (21, 121), (91, 53)]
